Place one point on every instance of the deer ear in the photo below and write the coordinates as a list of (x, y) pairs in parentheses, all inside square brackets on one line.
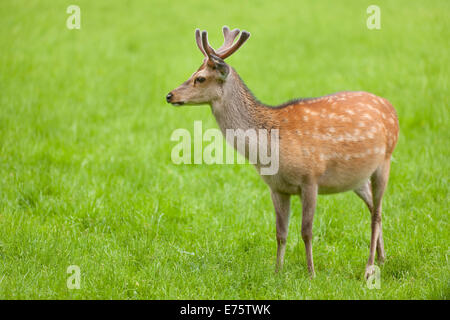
[(220, 66)]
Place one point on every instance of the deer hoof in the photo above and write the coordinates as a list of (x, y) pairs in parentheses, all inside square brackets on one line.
[(370, 270)]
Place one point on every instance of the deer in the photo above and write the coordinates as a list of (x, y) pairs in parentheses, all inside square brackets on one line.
[(330, 144)]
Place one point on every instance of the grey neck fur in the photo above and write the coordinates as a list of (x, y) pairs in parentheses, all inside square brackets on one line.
[(237, 107)]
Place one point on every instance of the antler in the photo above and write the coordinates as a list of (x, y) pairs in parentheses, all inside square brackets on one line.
[(229, 37), (230, 50), (227, 49), (199, 41), (208, 49)]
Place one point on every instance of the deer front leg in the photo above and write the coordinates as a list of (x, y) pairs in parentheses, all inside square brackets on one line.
[(309, 198), (379, 182), (281, 203), (365, 193)]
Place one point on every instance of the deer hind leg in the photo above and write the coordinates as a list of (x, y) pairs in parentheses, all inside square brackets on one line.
[(308, 198), (365, 193), (281, 203), (379, 181)]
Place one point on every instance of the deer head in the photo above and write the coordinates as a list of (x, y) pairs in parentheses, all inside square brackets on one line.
[(206, 84)]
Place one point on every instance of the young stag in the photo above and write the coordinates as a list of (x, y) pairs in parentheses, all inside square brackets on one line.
[(335, 143)]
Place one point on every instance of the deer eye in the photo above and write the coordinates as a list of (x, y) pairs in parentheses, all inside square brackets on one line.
[(199, 79)]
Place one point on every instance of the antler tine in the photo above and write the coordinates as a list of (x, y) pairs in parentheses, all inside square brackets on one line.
[(198, 39), (229, 51), (229, 37), (206, 45)]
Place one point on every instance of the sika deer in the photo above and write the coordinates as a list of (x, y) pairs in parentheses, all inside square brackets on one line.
[(335, 143)]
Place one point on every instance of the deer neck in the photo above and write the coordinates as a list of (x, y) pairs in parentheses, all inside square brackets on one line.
[(236, 108)]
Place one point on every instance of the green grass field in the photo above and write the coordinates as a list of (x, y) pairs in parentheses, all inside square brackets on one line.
[(86, 176)]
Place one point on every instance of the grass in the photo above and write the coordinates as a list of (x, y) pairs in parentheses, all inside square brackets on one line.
[(85, 171)]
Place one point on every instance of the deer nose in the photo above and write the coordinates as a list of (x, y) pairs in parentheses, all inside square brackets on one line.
[(169, 96)]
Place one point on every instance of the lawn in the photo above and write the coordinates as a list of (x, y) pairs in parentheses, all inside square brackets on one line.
[(86, 176)]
